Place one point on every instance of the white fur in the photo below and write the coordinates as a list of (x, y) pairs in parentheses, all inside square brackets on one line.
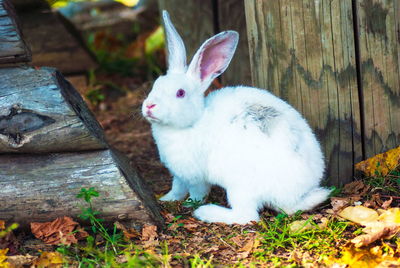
[(213, 141)]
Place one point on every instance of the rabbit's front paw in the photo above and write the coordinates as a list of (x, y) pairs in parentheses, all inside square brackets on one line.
[(172, 197), (214, 213)]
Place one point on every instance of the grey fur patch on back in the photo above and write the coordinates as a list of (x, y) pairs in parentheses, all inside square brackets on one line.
[(260, 115)]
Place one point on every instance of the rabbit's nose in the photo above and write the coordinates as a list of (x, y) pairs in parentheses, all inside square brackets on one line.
[(150, 106)]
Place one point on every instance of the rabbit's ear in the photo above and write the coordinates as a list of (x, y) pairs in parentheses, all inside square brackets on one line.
[(176, 47), (214, 56)]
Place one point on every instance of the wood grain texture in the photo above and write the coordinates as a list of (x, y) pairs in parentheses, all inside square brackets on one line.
[(55, 42), (198, 20), (379, 42), (43, 187), (12, 46), (231, 16), (41, 112), (303, 51), (194, 21)]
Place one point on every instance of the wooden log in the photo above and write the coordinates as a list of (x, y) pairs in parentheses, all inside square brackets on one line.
[(196, 21), (303, 51), (43, 187), (55, 42), (12, 46), (41, 112), (379, 46)]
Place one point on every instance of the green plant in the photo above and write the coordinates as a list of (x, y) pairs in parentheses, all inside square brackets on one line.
[(389, 183), (8, 229), (276, 235), (190, 203)]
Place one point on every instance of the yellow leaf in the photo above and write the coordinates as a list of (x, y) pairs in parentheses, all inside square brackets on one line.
[(380, 164), (391, 215), (359, 214), (3, 258), (378, 256), (128, 3), (49, 259)]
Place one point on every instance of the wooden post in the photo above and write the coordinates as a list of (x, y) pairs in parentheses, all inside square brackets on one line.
[(198, 20), (379, 46), (303, 51)]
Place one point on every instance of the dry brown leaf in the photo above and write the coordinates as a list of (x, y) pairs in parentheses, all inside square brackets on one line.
[(128, 233), (359, 214), (149, 233), (356, 188), (21, 260), (59, 231), (387, 203), (382, 226), (374, 231), (339, 203), (2, 225), (49, 259)]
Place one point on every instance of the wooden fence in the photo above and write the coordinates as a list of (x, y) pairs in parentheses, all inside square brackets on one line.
[(336, 61)]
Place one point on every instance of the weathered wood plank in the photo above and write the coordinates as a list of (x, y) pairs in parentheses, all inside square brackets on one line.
[(231, 17), (12, 46), (379, 40), (303, 51), (194, 21), (43, 187), (55, 42), (198, 20), (41, 112)]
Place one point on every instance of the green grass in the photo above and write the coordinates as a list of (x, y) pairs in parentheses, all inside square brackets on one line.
[(106, 247), (389, 184), (276, 237)]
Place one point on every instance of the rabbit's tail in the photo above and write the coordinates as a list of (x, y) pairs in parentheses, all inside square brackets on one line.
[(315, 197), (310, 200)]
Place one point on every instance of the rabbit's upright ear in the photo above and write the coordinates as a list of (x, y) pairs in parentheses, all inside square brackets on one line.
[(176, 47), (214, 56)]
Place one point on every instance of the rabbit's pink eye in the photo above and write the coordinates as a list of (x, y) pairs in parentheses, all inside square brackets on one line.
[(180, 93)]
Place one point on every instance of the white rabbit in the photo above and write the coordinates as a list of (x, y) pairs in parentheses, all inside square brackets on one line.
[(244, 139)]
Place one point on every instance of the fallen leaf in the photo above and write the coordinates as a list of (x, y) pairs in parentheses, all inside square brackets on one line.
[(324, 223), (363, 258), (3, 258), (380, 164), (338, 203), (376, 230), (387, 203), (359, 214), (382, 226), (356, 188), (149, 233), (390, 215), (49, 259), (2, 225), (21, 260), (300, 226), (59, 231), (128, 233)]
